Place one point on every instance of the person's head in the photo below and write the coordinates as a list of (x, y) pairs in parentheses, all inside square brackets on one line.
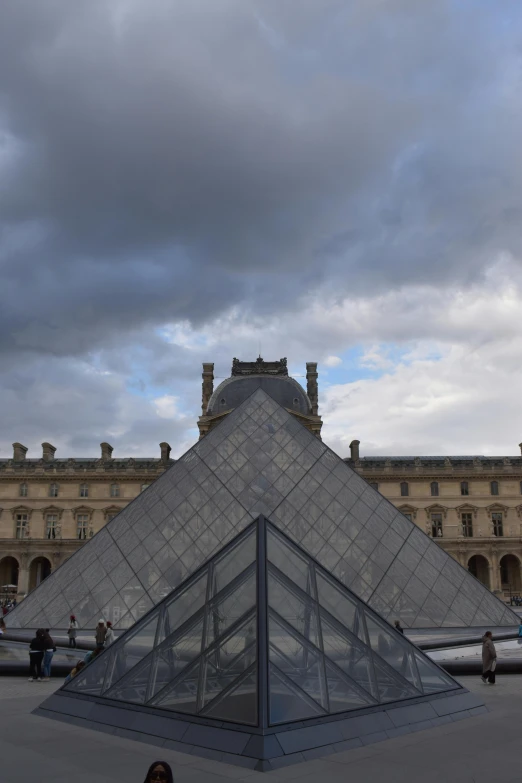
[(101, 623), (40, 634), (96, 651), (159, 772), (109, 624), (73, 618), (488, 635), (79, 666)]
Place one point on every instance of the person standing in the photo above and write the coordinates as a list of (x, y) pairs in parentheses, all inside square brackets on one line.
[(50, 649), (489, 658), (398, 626), (36, 654), (159, 772), (100, 634), (109, 636), (72, 630)]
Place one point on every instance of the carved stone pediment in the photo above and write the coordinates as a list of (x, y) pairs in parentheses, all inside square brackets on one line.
[(83, 510), (436, 508), (467, 508), (52, 510), (407, 509)]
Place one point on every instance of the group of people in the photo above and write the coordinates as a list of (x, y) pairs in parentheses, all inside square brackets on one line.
[(41, 651), (7, 605), (103, 636), (515, 600)]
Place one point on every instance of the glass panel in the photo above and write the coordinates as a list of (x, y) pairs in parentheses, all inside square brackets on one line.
[(239, 704), (336, 602), (432, 678), (134, 687), (292, 608), (342, 694), (287, 703), (391, 649), (349, 655), (222, 613), (133, 650), (235, 561), (219, 673), (185, 604), (301, 664), (182, 696), (90, 680), (391, 688)]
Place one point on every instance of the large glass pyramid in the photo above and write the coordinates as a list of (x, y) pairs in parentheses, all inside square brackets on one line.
[(260, 460), (261, 636)]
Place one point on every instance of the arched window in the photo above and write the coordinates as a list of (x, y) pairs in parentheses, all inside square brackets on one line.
[(53, 491), (23, 490), (494, 487), (435, 489), (115, 490), (405, 491), (84, 490), (464, 488)]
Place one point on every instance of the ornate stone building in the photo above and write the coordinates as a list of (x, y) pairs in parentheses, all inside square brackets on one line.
[(49, 506)]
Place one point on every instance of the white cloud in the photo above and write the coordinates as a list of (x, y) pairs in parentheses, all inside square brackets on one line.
[(167, 407), (333, 361)]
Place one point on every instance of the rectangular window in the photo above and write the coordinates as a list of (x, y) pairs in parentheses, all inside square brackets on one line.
[(498, 525), (84, 490), (404, 489), (407, 515), (464, 488), (82, 524), (115, 491), (467, 525), (53, 491), (436, 525), (51, 522), (21, 525), (23, 490), (374, 485)]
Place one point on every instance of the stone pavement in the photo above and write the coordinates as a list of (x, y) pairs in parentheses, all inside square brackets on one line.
[(483, 749)]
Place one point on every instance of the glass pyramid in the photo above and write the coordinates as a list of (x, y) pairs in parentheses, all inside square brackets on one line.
[(261, 636), (260, 460)]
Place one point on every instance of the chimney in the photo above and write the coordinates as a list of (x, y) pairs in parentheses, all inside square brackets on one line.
[(207, 387), (19, 452), (165, 451), (311, 386), (106, 451), (48, 451), (354, 450)]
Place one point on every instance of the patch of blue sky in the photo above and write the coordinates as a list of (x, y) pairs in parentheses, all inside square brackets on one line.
[(371, 362)]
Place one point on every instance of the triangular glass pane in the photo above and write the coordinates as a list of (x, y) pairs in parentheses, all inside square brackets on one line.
[(391, 687), (433, 679), (342, 694), (292, 607), (182, 696), (391, 648), (348, 654), (286, 703), (222, 613), (288, 560), (179, 651), (300, 663), (132, 650), (336, 601), (91, 679), (134, 687), (185, 604), (233, 562), (240, 703), (219, 674)]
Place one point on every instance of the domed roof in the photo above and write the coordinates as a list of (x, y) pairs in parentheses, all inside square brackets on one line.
[(284, 390)]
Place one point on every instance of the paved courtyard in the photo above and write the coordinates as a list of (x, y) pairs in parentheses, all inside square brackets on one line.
[(478, 750)]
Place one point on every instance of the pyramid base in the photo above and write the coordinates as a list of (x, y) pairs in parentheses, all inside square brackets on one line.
[(273, 749)]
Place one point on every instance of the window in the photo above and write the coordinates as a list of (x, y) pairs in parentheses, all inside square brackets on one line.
[(498, 526), (144, 486), (404, 489), (84, 490), (53, 491), (467, 524), (407, 515), (494, 487), (115, 490), (21, 525), (436, 524), (435, 489), (23, 490), (82, 524), (374, 485), (111, 515), (464, 489), (51, 524)]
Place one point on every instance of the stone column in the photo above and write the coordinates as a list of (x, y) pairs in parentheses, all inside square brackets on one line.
[(23, 575), (207, 387), (494, 572), (312, 386)]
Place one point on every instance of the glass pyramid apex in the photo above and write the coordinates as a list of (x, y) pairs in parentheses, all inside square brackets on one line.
[(250, 643), (260, 460)]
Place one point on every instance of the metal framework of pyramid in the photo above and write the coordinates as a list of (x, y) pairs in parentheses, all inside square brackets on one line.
[(261, 460), (260, 637)]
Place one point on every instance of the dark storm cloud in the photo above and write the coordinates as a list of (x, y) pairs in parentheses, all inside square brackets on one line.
[(166, 160)]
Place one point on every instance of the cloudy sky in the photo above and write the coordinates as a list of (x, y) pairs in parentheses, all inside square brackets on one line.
[(336, 181)]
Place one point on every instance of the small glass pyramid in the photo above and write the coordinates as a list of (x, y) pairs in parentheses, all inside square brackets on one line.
[(261, 635)]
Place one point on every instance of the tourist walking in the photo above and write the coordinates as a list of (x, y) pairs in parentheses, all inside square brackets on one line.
[(159, 771), (36, 654), (50, 649), (72, 630), (109, 636), (101, 633), (489, 658)]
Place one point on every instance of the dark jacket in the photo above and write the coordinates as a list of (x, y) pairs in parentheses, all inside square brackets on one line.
[(49, 643), (37, 645)]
